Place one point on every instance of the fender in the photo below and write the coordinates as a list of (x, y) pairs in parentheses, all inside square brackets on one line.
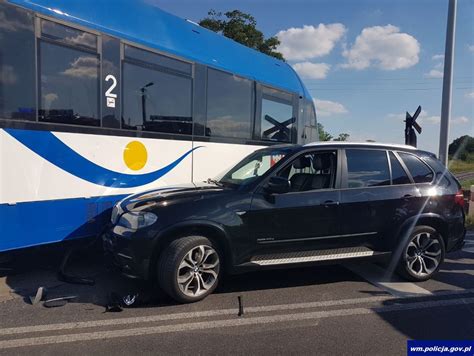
[(219, 233), (412, 221)]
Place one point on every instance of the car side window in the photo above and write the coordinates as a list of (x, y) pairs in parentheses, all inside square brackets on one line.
[(399, 176), (419, 170), (311, 171), (367, 168)]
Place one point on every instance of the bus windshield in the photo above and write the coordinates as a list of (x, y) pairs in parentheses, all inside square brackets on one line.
[(251, 167)]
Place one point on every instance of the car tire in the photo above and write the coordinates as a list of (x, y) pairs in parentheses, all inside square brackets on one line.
[(422, 255), (189, 269)]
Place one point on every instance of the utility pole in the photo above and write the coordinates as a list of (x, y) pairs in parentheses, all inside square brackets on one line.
[(447, 83)]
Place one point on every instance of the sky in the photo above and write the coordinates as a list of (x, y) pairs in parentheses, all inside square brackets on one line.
[(367, 62)]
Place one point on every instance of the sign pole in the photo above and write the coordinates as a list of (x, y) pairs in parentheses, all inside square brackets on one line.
[(447, 83)]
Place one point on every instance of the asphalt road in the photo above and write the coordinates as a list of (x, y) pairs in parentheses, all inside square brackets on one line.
[(356, 309)]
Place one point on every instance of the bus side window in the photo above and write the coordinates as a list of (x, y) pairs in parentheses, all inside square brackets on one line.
[(277, 120), (69, 76), (17, 64), (157, 93), (229, 105)]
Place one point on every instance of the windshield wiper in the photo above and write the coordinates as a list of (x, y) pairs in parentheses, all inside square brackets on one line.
[(214, 181)]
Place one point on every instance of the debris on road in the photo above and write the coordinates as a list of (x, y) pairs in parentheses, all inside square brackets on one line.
[(58, 302), (241, 306), (39, 296)]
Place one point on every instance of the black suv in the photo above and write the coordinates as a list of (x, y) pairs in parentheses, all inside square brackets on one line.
[(292, 205)]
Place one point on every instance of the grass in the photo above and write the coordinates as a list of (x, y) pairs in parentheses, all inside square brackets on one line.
[(469, 223), (466, 184), (458, 166)]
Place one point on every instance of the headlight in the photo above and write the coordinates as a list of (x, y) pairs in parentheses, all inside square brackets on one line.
[(137, 220)]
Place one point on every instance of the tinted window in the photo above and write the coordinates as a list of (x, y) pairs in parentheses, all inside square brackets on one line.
[(419, 170), (276, 121), (156, 101), (68, 35), (229, 105), (69, 86), (311, 171), (157, 59), (399, 176), (277, 116), (367, 168), (17, 64)]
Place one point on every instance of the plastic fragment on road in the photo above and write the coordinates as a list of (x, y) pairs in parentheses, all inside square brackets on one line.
[(39, 296), (58, 302)]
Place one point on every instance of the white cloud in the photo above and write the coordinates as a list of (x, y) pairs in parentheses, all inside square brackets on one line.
[(383, 47), (326, 108), (49, 98), (460, 120), (434, 73), (83, 67), (308, 41), (471, 48), (437, 71), (470, 95), (312, 70)]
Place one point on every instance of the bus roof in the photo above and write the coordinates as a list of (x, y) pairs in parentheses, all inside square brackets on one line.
[(142, 22)]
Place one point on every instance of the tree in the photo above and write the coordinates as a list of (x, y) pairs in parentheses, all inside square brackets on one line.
[(326, 136), (242, 28), (462, 147), (323, 134), (342, 137)]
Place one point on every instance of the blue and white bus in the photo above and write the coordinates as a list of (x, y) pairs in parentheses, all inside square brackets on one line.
[(99, 99)]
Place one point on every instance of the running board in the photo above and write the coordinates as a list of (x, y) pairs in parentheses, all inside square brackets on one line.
[(312, 256)]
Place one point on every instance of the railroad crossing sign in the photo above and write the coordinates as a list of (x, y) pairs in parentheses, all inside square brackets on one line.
[(410, 126)]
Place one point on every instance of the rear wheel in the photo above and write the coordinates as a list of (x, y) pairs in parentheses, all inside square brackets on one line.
[(189, 269), (423, 255)]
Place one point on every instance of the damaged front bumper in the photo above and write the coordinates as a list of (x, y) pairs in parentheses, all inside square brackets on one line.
[(131, 256)]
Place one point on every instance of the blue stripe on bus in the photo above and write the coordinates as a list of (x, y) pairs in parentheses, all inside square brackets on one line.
[(52, 149), (41, 222)]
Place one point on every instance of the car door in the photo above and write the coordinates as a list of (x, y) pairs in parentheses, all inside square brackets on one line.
[(375, 195), (306, 215)]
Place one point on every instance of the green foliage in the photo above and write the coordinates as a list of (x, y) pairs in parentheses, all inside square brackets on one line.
[(342, 137), (323, 135), (462, 148), (242, 28), (326, 136)]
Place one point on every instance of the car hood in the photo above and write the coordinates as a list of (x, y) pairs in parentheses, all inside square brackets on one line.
[(168, 195)]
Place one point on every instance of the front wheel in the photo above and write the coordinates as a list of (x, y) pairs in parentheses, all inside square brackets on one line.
[(189, 269), (423, 254)]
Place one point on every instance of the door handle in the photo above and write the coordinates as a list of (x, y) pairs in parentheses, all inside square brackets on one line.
[(408, 196), (329, 203)]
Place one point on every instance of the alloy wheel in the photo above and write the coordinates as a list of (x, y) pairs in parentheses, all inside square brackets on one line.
[(198, 271), (423, 254)]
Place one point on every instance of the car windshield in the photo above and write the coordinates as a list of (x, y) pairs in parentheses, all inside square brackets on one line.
[(253, 166)]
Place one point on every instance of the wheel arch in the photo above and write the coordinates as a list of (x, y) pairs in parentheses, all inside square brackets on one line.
[(435, 221), (213, 231)]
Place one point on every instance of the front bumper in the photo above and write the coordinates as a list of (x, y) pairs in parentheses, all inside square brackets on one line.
[(131, 255)]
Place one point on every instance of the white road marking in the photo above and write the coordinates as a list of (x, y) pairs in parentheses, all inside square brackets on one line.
[(209, 313), (390, 283), (101, 335), (469, 246), (187, 315)]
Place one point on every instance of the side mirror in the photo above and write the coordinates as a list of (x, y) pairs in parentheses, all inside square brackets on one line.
[(278, 185)]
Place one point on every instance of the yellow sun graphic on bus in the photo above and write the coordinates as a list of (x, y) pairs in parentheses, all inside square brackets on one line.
[(135, 155)]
